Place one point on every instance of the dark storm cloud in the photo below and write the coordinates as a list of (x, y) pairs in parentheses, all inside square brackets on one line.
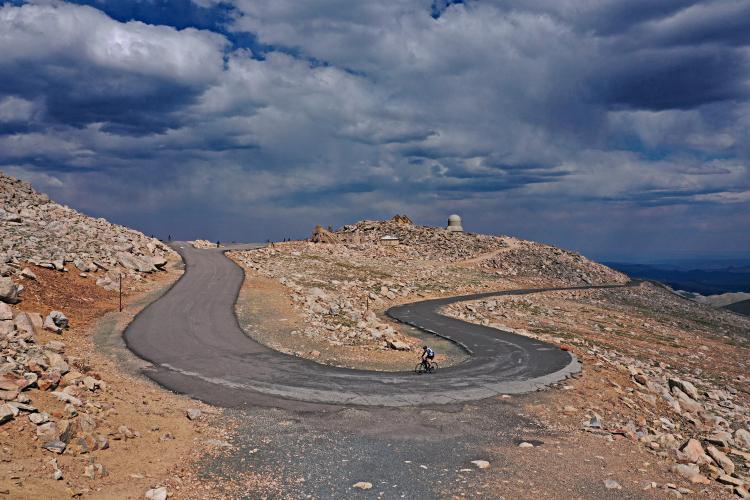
[(676, 79), (543, 117)]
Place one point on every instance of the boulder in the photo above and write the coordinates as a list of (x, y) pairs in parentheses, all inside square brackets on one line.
[(6, 313), (157, 494), (398, 345), (692, 452), (8, 291), (25, 324), (7, 413), (721, 459), (159, 262), (55, 446), (59, 319), (49, 324), (692, 473), (47, 432), (742, 439), (685, 387), (134, 263), (28, 274)]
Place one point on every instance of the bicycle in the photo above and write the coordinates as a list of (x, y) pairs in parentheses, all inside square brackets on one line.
[(423, 367)]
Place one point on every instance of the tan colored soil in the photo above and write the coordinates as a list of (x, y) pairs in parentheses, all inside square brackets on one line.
[(267, 314), (132, 465)]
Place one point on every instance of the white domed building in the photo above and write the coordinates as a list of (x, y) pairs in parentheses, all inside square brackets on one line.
[(454, 224)]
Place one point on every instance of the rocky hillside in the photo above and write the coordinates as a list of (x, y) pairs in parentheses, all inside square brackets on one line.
[(502, 255), (37, 231), (340, 282)]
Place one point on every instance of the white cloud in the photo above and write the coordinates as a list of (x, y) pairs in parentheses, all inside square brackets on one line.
[(14, 109), (59, 34)]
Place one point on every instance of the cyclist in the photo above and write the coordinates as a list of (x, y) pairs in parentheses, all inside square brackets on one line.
[(427, 356)]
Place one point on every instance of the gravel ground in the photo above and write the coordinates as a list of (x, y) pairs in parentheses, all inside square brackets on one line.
[(424, 453)]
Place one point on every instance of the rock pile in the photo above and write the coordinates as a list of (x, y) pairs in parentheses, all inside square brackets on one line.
[(338, 287), (28, 368), (504, 256), (321, 235), (203, 244), (401, 219), (677, 410), (36, 230)]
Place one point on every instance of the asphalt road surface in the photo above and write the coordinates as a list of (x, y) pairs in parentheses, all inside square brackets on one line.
[(192, 338)]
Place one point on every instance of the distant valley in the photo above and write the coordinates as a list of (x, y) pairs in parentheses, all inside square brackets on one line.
[(724, 284)]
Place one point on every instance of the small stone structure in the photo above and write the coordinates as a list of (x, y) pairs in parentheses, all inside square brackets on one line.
[(401, 219), (320, 235), (389, 240), (454, 224)]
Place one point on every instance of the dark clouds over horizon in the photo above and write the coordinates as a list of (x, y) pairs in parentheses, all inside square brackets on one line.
[(617, 128)]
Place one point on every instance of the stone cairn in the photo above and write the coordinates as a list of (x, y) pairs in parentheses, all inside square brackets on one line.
[(321, 235)]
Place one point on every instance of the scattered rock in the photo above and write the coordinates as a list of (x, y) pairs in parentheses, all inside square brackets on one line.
[(193, 413), (6, 313), (38, 418), (692, 473), (481, 464), (55, 446), (28, 274), (362, 485), (7, 413), (56, 322), (721, 459), (611, 484), (692, 452), (525, 445), (157, 494), (742, 439), (8, 291), (685, 387)]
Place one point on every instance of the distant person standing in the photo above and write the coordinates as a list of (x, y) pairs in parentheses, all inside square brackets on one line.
[(218, 243)]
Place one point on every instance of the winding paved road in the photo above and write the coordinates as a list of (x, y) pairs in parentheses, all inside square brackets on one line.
[(192, 338)]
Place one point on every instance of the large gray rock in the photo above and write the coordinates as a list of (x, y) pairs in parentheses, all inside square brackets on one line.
[(134, 263), (8, 291), (685, 387), (59, 319)]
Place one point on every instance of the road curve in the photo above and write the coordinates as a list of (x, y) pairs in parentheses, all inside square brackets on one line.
[(193, 340)]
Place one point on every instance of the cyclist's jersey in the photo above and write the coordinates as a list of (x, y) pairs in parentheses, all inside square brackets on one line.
[(430, 353)]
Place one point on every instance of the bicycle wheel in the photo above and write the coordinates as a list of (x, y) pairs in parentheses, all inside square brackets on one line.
[(419, 368), (433, 367)]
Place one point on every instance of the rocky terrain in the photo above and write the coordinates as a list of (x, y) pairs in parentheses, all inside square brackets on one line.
[(685, 396), (71, 421), (667, 374), (39, 232), (342, 281)]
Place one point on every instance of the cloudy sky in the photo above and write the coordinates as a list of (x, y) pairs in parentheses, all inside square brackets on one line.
[(620, 128)]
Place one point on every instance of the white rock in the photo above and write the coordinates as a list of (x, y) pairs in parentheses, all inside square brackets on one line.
[(611, 484), (362, 485), (67, 398), (481, 464), (157, 494)]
